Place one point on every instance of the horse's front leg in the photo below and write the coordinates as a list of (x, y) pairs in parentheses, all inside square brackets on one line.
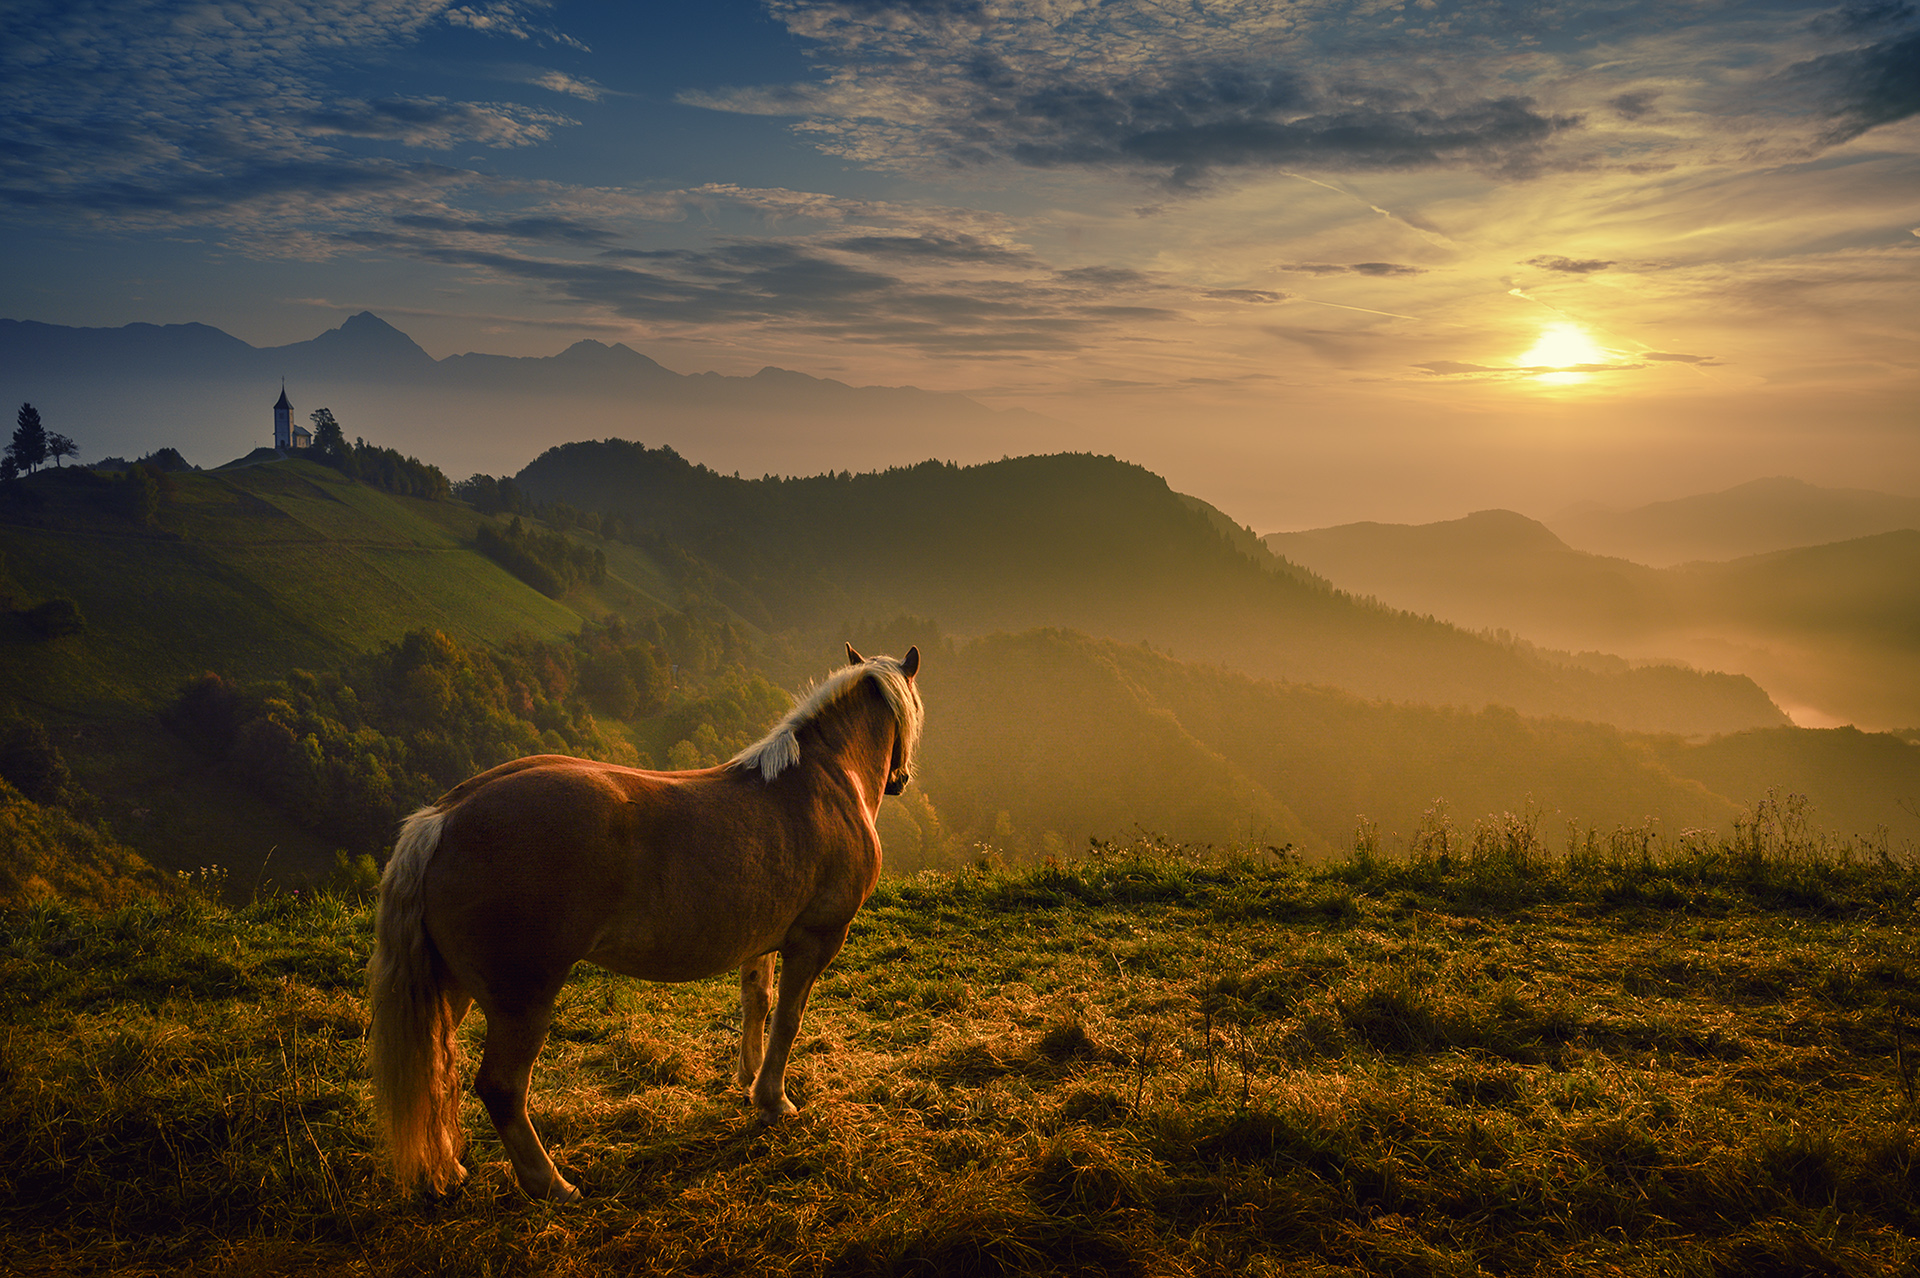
[(756, 997), (803, 956)]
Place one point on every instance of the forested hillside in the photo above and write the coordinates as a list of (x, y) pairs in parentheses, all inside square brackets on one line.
[(251, 674), (1052, 737), (259, 667), (1095, 545)]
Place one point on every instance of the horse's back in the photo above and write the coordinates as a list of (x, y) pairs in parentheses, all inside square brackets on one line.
[(551, 859), (460, 793)]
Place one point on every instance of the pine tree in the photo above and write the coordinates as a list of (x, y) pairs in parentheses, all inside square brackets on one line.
[(29, 446)]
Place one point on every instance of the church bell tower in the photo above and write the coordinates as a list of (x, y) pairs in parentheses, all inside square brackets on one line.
[(283, 421)]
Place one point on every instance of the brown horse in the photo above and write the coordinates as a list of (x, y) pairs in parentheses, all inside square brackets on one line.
[(498, 889)]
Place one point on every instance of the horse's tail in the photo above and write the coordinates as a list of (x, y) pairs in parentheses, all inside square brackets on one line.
[(414, 1060)]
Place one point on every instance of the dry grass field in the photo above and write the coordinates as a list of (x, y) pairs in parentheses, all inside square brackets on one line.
[(1623, 1055)]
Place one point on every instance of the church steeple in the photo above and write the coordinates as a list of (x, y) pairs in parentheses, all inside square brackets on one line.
[(283, 421)]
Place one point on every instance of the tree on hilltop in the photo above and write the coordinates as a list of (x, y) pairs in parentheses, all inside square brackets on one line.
[(59, 446), (328, 439), (29, 446)]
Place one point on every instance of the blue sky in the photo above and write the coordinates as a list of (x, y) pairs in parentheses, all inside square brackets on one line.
[(1308, 259)]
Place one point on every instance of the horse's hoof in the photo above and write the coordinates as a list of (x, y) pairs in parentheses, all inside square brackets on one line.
[(786, 1109), (560, 1193), (455, 1186)]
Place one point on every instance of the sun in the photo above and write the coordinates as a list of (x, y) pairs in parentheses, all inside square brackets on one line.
[(1562, 347)]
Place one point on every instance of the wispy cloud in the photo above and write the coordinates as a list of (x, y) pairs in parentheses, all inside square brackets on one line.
[(1351, 268), (1192, 93), (134, 113), (512, 18), (1569, 265), (572, 86), (433, 123), (939, 292)]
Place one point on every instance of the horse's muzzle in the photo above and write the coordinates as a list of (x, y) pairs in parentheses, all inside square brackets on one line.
[(896, 783)]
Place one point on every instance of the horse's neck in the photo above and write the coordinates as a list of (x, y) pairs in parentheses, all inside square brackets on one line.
[(859, 733)]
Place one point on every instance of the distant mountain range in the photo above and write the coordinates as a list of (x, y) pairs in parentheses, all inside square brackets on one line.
[(1751, 519), (191, 386), (1832, 631)]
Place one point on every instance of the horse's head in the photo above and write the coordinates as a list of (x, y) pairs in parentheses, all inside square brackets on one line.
[(906, 714)]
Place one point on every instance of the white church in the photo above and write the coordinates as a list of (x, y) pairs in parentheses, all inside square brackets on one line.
[(287, 436)]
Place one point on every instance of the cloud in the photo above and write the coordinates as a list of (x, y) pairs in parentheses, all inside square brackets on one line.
[(1632, 106), (511, 18), (1670, 357), (1569, 265), (572, 86), (434, 123), (1188, 132), (1197, 95), (168, 114), (957, 248), (1453, 367), (1864, 88), (1854, 18), (920, 292), (1253, 295), (1104, 277), (1351, 268), (1182, 93), (554, 229)]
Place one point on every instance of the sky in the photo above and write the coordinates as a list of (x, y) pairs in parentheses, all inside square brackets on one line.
[(1314, 262)]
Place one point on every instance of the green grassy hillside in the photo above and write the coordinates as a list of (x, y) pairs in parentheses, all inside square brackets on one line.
[(250, 572)]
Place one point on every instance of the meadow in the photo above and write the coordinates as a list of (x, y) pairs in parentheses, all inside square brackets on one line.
[(1492, 1053)]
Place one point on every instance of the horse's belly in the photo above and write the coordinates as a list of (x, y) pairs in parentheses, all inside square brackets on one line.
[(653, 961)]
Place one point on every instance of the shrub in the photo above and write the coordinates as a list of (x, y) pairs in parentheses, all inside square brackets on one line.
[(55, 618), (31, 763)]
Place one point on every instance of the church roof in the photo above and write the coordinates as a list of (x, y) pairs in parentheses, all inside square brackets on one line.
[(283, 402)]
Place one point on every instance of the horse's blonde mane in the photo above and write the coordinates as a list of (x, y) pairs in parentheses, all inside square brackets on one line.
[(780, 748)]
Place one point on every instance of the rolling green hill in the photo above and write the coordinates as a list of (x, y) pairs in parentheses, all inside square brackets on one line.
[(428, 659), (1095, 545), (249, 572)]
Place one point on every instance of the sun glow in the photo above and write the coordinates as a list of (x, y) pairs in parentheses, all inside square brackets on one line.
[(1560, 350)]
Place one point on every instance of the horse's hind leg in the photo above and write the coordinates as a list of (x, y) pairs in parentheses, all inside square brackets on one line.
[(803, 956), (506, 1068), (459, 1003), (756, 997)]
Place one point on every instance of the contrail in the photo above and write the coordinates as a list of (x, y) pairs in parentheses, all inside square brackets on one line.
[(1431, 237), (1369, 310)]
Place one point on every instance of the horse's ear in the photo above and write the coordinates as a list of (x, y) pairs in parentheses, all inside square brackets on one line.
[(910, 664), (853, 658)]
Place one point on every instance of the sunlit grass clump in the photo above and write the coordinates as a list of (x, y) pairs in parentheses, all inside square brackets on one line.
[(1618, 1054)]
